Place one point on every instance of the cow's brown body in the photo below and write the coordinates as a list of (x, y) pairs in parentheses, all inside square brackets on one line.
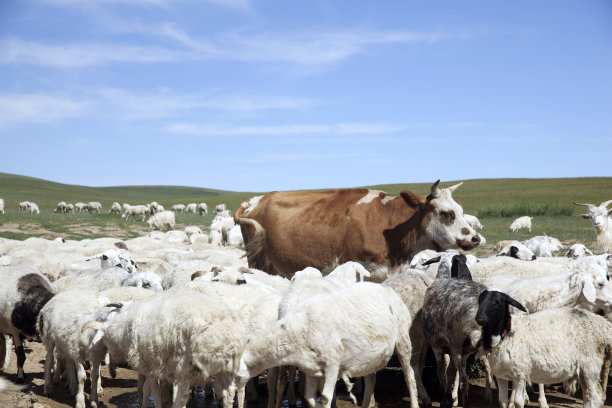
[(288, 231)]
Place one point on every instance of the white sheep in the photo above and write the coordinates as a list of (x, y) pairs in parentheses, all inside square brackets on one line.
[(602, 224), (552, 346), (115, 208), (351, 332), (411, 285), (220, 207), (33, 207), (223, 225), (2, 205), (101, 279), (60, 208), (521, 222), (178, 208), (578, 250), (234, 236), (24, 205), (585, 285), (80, 207), (473, 221), (517, 250), (115, 257), (136, 210), (191, 208), (93, 206), (154, 207), (161, 220), (202, 209), (193, 229), (69, 208), (193, 338), (59, 324)]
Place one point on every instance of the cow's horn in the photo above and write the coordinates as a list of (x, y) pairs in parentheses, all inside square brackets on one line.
[(456, 186), (434, 188)]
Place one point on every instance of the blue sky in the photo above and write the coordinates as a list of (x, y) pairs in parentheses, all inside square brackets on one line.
[(252, 95)]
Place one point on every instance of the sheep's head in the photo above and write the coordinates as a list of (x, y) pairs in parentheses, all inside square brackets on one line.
[(597, 215), (494, 316)]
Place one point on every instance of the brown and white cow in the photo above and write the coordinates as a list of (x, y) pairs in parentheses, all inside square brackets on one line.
[(285, 232)]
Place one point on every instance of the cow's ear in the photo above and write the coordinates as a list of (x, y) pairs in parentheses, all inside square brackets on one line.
[(413, 200)]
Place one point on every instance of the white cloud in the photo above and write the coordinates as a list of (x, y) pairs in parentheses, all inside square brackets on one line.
[(233, 4), (307, 48), (15, 108), (276, 130)]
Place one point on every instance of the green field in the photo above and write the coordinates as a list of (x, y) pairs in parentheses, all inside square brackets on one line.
[(495, 201)]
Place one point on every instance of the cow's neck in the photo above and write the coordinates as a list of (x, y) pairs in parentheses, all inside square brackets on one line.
[(402, 237)]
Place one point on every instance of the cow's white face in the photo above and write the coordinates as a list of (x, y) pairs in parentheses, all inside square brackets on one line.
[(447, 227)]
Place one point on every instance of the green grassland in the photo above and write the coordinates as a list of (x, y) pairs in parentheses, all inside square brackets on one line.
[(496, 202)]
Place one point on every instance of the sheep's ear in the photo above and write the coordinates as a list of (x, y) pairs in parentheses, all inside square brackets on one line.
[(514, 251), (482, 296), (588, 289), (515, 303), (432, 260), (104, 257)]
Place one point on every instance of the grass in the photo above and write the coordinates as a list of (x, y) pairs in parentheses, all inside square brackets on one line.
[(495, 201)]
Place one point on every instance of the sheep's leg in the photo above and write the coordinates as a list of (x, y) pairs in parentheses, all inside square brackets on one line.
[(96, 384), (281, 386), (48, 363), (5, 351), (156, 391), (240, 391), (181, 395), (368, 391), (72, 376), (417, 361), (488, 395), (502, 392), (310, 391), (291, 398), (329, 385), (57, 371), (144, 391), (444, 368), (403, 350), (460, 363), (21, 357), (251, 390), (519, 393), (592, 393), (605, 372), (81, 377), (542, 396)]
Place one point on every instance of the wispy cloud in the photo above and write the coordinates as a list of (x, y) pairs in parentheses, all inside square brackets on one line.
[(15, 108), (233, 4), (274, 130), (307, 48)]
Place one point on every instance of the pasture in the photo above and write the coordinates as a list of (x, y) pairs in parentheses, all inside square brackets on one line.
[(496, 202)]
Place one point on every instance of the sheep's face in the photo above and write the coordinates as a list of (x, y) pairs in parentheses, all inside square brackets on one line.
[(599, 217), (518, 251), (494, 316)]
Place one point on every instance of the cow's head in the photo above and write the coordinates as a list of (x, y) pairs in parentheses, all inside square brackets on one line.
[(597, 215), (444, 226)]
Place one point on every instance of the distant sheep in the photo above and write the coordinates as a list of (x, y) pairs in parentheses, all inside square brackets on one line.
[(220, 207), (69, 208), (1, 205), (60, 208), (191, 208), (136, 210), (178, 208), (202, 209), (80, 207), (24, 205), (94, 206), (115, 208), (161, 220), (34, 208), (521, 222)]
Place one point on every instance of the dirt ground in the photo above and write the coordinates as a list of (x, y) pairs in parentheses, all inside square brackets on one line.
[(121, 391)]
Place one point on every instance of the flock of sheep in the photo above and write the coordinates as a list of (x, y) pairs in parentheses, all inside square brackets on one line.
[(182, 308)]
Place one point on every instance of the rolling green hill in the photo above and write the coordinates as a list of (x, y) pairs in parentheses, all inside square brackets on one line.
[(495, 201)]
